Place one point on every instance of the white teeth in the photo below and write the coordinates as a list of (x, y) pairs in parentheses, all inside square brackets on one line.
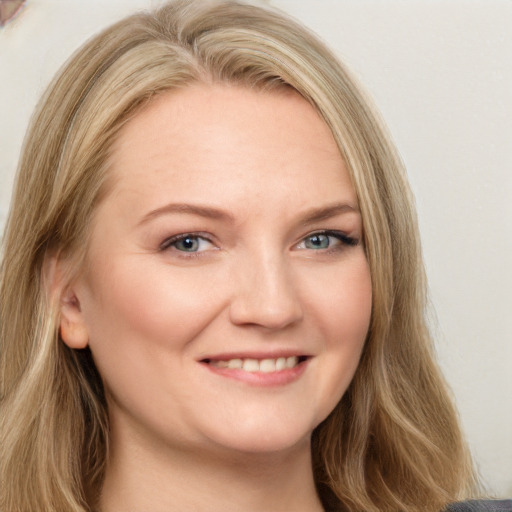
[(280, 363), (291, 362), (235, 363), (251, 365), (255, 365), (267, 365)]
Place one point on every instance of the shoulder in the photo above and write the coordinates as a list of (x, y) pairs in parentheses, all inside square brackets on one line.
[(481, 506)]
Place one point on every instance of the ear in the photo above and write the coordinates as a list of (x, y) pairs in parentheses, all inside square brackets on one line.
[(73, 330)]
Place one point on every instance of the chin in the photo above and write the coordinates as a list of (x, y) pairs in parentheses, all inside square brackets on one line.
[(265, 435), (266, 445)]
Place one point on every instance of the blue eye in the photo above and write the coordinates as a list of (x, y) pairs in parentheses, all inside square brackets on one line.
[(319, 241), (326, 240), (187, 243)]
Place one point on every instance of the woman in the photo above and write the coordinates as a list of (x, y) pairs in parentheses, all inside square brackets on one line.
[(212, 294)]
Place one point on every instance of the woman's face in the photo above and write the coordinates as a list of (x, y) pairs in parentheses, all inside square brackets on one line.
[(227, 295)]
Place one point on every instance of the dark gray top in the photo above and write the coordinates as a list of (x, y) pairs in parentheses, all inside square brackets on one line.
[(481, 506), (466, 506)]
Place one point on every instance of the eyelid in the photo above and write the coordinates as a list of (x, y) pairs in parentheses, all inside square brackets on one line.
[(167, 243), (343, 237)]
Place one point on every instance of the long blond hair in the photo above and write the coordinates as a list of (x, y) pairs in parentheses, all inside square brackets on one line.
[(392, 443)]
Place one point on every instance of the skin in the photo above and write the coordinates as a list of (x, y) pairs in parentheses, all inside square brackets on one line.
[(256, 176)]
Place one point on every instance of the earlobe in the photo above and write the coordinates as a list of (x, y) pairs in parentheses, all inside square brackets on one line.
[(72, 328)]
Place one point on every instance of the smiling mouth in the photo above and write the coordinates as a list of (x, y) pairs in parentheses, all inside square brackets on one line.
[(252, 365)]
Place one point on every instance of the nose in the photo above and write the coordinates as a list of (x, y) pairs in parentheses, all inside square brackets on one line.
[(264, 294)]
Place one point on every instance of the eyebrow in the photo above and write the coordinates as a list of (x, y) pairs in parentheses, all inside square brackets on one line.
[(328, 212), (190, 209), (310, 217)]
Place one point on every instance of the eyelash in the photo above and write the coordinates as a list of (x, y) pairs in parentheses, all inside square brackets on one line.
[(342, 237), (169, 242)]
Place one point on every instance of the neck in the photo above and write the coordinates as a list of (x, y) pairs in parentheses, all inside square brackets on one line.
[(141, 479)]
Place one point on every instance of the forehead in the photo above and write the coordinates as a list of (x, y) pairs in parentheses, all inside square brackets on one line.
[(203, 114), (227, 141)]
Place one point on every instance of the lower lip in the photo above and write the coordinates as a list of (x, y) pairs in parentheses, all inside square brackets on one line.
[(261, 379)]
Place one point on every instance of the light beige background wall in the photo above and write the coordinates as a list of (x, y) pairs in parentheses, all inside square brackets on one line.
[(441, 73)]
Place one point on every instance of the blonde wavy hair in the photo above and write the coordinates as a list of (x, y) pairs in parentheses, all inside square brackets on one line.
[(393, 442)]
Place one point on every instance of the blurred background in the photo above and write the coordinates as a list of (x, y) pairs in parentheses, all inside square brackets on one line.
[(440, 72)]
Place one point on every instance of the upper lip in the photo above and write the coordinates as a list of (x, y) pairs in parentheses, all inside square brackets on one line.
[(248, 354)]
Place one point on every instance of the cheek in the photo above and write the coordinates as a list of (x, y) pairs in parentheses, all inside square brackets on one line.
[(140, 310), (354, 303), (342, 312), (343, 303)]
